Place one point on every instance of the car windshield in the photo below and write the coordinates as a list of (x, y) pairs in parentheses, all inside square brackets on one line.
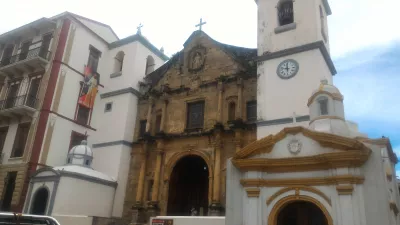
[(25, 219)]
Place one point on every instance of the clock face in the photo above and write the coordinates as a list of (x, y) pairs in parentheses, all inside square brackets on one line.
[(287, 69)]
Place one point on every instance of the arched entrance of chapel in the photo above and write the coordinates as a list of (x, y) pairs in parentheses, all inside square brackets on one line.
[(39, 203), (188, 180), (299, 210)]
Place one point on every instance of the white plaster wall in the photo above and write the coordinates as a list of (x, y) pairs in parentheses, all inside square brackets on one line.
[(59, 145), (234, 196), (290, 95), (79, 197), (306, 17), (119, 169), (102, 30), (375, 191)]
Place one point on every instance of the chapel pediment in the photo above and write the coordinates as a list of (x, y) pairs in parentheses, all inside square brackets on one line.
[(301, 149)]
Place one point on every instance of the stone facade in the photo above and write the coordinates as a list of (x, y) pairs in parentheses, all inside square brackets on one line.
[(222, 76)]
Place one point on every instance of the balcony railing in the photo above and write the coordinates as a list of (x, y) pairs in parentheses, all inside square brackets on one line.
[(22, 100), (32, 53)]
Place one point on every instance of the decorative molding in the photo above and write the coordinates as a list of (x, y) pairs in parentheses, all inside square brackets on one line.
[(299, 49), (253, 192), (345, 189), (393, 207), (384, 142), (113, 143), (351, 158), (282, 121), (327, 117), (324, 139), (285, 28), (313, 181), (334, 96), (298, 188), (120, 92), (327, 7), (273, 215)]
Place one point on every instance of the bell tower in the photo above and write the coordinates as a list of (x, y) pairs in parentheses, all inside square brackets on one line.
[(293, 58)]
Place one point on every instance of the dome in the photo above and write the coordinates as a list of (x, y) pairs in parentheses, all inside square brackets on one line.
[(325, 87), (81, 149), (80, 155)]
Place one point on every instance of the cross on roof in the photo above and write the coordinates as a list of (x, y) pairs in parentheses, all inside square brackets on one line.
[(139, 28), (201, 23)]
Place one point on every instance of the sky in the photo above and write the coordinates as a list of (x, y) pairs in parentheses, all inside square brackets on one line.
[(364, 42)]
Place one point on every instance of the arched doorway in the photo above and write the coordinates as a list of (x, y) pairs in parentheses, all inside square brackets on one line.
[(188, 186), (301, 213), (39, 202)]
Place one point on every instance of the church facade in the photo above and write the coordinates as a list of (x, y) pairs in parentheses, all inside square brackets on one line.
[(196, 111)]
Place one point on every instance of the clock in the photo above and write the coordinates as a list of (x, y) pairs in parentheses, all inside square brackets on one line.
[(287, 69)]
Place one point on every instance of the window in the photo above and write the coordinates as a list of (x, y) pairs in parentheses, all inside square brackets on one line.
[(24, 50), (9, 190), (7, 53), (44, 49), (94, 57), (119, 61), (149, 64), (323, 106), (285, 12), (87, 162), (108, 107), (142, 128), (251, 109), (231, 111), (158, 123), (195, 115), (3, 135), (83, 114), (69, 160), (76, 139), (20, 140), (33, 91), (12, 95)]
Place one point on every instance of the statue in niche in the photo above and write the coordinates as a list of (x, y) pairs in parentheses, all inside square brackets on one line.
[(197, 61)]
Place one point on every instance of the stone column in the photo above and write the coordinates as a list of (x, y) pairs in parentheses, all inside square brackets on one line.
[(220, 97), (238, 139), (154, 205), (163, 114), (137, 217), (215, 207), (239, 107), (151, 101)]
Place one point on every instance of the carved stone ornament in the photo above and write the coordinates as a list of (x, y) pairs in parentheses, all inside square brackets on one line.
[(294, 146), (196, 59)]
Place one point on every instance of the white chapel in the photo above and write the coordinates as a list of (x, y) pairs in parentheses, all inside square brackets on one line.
[(309, 165)]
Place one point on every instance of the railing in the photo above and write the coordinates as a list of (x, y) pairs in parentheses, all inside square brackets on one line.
[(41, 52), (27, 100), (26, 219), (286, 13)]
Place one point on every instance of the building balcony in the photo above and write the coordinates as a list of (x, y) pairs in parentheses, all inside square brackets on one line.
[(29, 61), (23, 105)]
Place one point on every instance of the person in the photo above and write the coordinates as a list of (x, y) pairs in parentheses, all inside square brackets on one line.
[(193, 212)]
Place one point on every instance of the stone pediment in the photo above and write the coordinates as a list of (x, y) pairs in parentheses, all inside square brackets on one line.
[(301, 149)]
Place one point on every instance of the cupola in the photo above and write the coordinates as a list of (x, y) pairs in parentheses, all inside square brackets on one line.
[(80, 155)]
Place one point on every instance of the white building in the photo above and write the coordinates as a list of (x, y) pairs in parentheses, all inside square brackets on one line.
[(43, 68), (309, 165)]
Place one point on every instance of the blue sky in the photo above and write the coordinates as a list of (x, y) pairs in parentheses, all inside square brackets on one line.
[(364, 41)]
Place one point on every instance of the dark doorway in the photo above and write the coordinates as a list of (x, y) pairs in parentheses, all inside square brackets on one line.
[(8, 51), (44, 49), (301, 213), (188, 187), (8, 192), (40, 202), (24, 50)]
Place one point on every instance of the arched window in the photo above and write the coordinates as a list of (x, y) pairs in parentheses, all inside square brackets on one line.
[(285, 12), (39, 203), (149, 64), (231, 111), (323, 106), (119, 61)]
